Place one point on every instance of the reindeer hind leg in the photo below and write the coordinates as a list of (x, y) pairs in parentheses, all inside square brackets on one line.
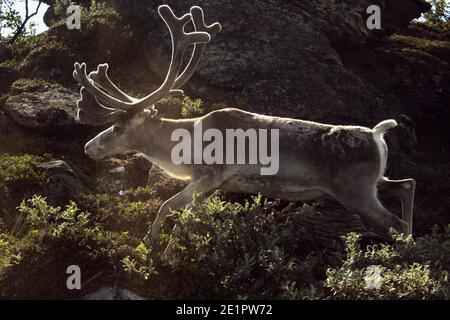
[(366, 204), (405, 190)]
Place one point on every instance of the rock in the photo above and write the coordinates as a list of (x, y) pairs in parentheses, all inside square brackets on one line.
[(5, 52), (118, 176), (7, 126), (131, 173), (294, 58), (164, 185), (277, 58), (403, 138), (280, 58), (330, 222), (44, 108), (109, 293), (7, 77), (137, 169), (63, 184)]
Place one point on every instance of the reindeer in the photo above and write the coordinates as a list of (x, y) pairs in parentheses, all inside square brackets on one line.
[(316, 160)]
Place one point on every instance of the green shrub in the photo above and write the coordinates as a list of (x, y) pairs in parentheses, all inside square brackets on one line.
[(132, 210), (407, 269), (253, 250), (19, 178), (50, 241), (191, 108), (439, 15), (66, 145), (19, 167), (231, 250)]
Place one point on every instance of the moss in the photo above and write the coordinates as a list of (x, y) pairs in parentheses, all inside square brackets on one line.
[(51, 147), (29, 85), (421, 43), (185, 107), (19, 167)]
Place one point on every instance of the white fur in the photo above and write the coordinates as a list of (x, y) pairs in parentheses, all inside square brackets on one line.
[(378, 133)]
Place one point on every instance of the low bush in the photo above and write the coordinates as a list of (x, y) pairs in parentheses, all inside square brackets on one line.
[(406, 269), (252, 250)]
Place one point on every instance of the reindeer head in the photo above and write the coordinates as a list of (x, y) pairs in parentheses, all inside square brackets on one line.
[(102, 102)]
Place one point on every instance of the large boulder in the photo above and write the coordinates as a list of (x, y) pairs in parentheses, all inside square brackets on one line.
[(315, 60), (44, 108), (63, 185), (281, 58), (131, 172), (7, 126), (284, 58)]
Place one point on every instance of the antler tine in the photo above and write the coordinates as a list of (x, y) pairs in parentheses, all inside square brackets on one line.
[(82, 78), (94, 113), (180, 40), (198, 19), (100, 76)]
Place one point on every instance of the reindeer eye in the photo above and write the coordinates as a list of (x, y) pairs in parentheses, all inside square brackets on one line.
[(118, 129)]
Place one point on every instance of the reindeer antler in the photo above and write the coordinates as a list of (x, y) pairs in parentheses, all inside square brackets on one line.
[(103, 102), (198, 20)]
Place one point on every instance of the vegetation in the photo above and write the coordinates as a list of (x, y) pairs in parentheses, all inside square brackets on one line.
[(19, 178), (439, 15), (228, 247), (224, 250), (22, 30), (29, 85), (408, 269)]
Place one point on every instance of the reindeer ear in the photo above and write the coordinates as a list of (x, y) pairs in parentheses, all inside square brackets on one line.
[(151, 113), (154, 112)]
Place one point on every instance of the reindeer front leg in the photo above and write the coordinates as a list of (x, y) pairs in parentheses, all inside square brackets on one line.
[(202, 186)]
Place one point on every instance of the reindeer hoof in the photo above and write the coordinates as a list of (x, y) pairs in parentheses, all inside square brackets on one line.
[(400, 225)]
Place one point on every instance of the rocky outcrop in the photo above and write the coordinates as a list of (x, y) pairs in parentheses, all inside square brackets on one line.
[(7, 77), (62, 185), (277, 58), (281, 58), (6, 125), (5, 52), (44, 108), (329, 223), (129, 173)]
